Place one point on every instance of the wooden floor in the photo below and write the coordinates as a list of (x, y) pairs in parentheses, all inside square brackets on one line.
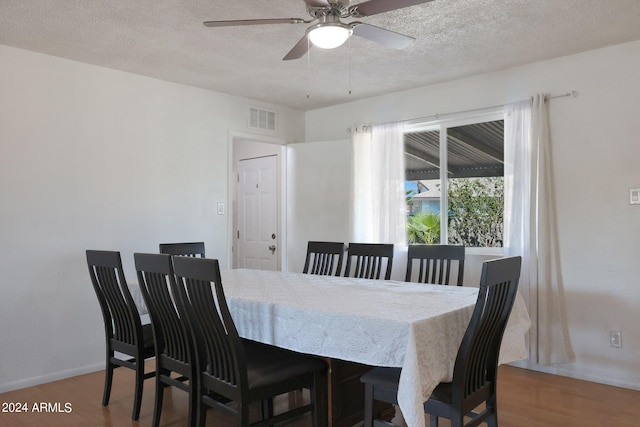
[(525, 399)]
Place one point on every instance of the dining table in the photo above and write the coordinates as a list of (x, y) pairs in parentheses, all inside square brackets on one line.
[(417, 327)]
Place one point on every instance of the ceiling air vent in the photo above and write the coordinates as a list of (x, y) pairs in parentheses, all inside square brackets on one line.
[(262, 119)]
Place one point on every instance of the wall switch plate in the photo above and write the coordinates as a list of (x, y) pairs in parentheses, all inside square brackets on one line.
[(634, 196), (220, 208)]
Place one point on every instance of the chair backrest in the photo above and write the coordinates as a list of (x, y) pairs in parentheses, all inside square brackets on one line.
[(434, 263), (184, 249), (201, 301), (477, 359), (324, 258), (366, 260), (121, 317), (157, 281)]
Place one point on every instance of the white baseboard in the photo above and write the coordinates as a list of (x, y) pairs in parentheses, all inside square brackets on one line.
[(33, 381), (559, 370)]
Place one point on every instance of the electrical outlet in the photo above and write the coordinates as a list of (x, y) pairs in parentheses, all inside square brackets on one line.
[(616, 339)]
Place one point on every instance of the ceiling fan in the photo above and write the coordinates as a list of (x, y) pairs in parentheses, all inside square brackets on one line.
[(330, 32)]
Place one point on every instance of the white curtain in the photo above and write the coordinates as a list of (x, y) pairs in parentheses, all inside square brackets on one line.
[(377, 192), (530, 227)]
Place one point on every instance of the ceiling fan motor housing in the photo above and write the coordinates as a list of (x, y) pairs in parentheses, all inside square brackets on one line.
[(336, 8)]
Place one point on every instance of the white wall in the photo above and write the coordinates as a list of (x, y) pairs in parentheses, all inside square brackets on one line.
[(92, 158), (318, 195), (595, 154)]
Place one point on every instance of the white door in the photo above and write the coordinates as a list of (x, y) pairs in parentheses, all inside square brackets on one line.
[(257, 234)]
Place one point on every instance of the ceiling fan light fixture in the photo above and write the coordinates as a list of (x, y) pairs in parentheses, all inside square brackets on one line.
[(329, 35)]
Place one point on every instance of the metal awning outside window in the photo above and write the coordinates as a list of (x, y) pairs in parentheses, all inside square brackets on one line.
[(475, 150)]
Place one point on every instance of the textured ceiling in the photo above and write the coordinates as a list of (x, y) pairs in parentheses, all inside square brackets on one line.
[(165, 39)]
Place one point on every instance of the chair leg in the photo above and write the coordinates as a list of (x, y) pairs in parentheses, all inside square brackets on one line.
[(263, 410), (137, 399), (457, 420), (193, 407), (243, 414), (492, 420), (157, 406), (108, 379), (266, 410), (433, 421), (270, 409), (319, 397), (315, 411), (368, 405), (201, 409)]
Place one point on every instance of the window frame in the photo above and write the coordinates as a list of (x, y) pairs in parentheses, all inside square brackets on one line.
[(442, 124)]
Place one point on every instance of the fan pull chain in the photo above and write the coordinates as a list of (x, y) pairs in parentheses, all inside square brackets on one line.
[(349, 41), (308, 68)]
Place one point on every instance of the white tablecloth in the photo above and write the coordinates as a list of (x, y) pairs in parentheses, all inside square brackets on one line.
[(380, 323)]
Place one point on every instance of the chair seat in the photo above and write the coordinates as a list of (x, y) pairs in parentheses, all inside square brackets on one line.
[(390, 377), (267, 364), (148, 342), (382, 377), (442, 393)]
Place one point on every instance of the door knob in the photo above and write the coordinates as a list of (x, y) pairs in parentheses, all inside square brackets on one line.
[(272, 248)]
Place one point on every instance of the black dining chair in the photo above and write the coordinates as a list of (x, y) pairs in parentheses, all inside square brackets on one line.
[(174, 350), (324, 258), (124, 332), (240, 370), (434, 264), (366, 260), (184, 249), (476, 366)]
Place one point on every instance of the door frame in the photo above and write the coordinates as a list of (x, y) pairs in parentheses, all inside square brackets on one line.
[(242, 146)]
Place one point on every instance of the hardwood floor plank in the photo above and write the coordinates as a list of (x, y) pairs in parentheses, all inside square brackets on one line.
[(525, 398), (532, 399)]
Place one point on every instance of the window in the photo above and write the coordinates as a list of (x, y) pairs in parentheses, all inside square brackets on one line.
[(465, 158)]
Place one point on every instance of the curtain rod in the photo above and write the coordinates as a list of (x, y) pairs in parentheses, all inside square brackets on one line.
[(571, 94)]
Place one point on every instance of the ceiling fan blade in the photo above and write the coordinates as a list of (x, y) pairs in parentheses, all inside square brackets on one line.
[(235, 22), (298, 50), (317, 3), (373, 7), (383, 36)]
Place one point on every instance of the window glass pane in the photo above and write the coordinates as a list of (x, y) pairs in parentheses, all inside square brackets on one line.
[(422, 157), (475, 185)]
